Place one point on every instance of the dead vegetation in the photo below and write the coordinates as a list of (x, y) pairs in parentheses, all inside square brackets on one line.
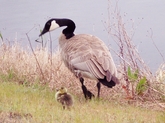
[(13, 117), (138, 81), (44, 67), (28, 68)]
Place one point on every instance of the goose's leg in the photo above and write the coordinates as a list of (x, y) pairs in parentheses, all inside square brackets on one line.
[(90, 94), (98, 87), (87, 93), (84, 89)]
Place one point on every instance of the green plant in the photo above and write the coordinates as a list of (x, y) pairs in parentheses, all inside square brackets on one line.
[(1, 36), (9, 76), (141, 86), (132, 76)]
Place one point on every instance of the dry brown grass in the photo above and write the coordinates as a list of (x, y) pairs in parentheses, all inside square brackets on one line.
[(23, 65), (20, 66)]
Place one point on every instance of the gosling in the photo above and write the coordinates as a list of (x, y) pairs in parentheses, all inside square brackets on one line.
[(64, 98)]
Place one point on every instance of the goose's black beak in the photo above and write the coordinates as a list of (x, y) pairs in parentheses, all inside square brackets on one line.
[(43, 32)]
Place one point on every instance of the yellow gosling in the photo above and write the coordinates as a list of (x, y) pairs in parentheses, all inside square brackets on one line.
[(65, 98)]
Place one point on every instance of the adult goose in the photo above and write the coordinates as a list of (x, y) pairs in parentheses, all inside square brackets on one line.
[(83, 54)]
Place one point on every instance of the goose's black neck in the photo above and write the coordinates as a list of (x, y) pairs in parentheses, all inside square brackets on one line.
[(69, 30)]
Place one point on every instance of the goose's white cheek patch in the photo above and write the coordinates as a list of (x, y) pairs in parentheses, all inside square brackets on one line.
[(54, 25)]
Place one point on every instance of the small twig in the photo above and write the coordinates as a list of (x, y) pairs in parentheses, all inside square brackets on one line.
[(120, 56), (51, 47), (151, 36), (42, 41), (157, 91), (35, 55), (162, 106)]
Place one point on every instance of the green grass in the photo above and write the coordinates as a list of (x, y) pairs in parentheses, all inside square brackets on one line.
[(37, 104)]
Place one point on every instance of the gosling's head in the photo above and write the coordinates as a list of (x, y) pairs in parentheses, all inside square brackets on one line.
[(62, 90)]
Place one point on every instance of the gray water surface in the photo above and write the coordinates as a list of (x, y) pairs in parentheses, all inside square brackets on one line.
[(148, 16)]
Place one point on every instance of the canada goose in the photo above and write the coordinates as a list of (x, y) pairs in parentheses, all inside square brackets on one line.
[(64, 98), (87, 93), (85, 55)]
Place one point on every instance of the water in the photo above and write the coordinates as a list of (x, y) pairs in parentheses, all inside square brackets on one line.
[(19, 17), (151, 28)]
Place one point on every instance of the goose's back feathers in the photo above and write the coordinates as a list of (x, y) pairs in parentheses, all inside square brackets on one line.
[(89, 55)]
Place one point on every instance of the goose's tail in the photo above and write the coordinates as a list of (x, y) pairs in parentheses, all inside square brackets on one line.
[(110, 83), (106, 83)]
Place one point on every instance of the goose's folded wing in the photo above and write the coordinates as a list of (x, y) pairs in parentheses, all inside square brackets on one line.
[(91, 55), (89, 65)]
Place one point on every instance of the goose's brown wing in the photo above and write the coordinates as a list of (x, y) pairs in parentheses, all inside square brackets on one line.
[(90, 54)]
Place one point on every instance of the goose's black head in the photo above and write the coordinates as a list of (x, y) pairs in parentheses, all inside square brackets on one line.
[(53, 24), (49, 26)]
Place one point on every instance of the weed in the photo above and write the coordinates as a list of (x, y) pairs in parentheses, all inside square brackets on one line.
[(133, 77), (1, 36), (141, 86)]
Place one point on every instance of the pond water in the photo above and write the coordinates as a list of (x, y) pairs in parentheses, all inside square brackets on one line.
[(19, 17)]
